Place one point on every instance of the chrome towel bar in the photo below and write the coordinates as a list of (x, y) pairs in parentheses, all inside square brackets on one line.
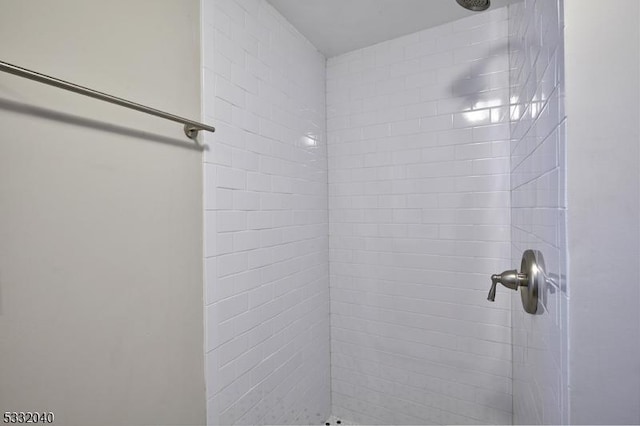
[(191, 128)]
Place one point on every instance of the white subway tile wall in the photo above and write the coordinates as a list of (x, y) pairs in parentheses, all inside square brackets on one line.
[(419, 212), (266, 220), (538, 207)]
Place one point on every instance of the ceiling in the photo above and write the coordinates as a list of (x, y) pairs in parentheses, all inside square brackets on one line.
[(339, 26)]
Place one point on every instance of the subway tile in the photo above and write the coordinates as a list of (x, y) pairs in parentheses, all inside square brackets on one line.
[(230, 178), (261, 168), (537, 207), (228, 221), (413, 197), (405, 127)]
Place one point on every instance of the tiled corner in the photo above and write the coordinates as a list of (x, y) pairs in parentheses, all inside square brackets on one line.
[(538, 207)]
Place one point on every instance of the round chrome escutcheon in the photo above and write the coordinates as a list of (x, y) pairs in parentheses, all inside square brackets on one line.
[(533, 265)]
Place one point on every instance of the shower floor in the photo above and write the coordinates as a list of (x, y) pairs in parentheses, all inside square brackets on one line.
[(333, 421)]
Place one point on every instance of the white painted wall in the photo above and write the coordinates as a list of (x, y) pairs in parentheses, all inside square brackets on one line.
[(538, 208), (603, 191), (101, 215), (267, 267), (419, 220)]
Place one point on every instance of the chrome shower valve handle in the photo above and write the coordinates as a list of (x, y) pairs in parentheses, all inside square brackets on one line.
[(510, 279), (528, 279)]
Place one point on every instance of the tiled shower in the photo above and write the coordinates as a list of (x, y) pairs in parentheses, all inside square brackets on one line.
[(356, 206), (418, 140)]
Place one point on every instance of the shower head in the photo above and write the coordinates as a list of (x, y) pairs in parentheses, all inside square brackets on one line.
[(475, 5)]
